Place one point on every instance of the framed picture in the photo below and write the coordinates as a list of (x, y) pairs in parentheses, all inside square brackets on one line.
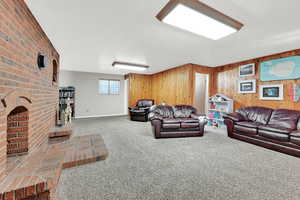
[(247, 70), (280, 69), (247, 86), (271, 92)]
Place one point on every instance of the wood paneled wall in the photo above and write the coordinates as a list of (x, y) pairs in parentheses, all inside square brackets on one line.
[(227, 83), (176, 86), (140, 87), (173, 86)]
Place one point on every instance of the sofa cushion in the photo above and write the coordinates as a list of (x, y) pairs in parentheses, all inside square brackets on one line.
[(285, 118), (183, 111), (145, 103), (256, 114), (245, 130), (275, 128), (249, 124), (234, 116), (295, 137), (138, 111), (283, 137), (163, 110), (189, 125), (188, 120), (168, 126), (171, 121)]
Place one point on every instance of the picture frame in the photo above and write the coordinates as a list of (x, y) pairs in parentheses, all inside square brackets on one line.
[(247, 70), (247, 86), (271, 92)]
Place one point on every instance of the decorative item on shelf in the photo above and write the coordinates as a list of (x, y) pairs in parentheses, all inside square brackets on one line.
[(66, 95), (294, 92), (163, 103), (247, 86), (68, 112), (247, 70), (42, 61), (212, 106), (271, 92), (202, 118), (218, 105), (280, 69)]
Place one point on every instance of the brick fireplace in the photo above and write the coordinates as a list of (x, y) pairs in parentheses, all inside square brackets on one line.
[(17, 131), (28, 93)]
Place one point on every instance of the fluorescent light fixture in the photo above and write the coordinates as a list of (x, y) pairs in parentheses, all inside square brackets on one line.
[(130, 66), (198, 18)]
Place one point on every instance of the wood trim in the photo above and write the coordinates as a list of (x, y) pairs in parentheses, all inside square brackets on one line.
[(284, 54), (202, 8)]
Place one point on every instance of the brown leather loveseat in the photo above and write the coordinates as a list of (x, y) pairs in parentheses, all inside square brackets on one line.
[(176, 121), (278, 130)]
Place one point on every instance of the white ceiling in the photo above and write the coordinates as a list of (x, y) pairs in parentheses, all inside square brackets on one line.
[(91, 34)]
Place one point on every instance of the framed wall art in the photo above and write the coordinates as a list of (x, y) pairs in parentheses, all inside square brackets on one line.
[(247, 70), (280, 69), (247, 86), (271, 92)]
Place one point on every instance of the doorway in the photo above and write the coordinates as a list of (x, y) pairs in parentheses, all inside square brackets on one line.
[(201, 92)]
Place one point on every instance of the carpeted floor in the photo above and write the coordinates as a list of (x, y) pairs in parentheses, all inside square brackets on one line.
[(212, 167)]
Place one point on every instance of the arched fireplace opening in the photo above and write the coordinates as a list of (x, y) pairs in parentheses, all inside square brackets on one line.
[(17, 131)]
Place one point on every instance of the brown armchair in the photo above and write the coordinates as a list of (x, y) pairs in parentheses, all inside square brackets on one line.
[(141, 110)]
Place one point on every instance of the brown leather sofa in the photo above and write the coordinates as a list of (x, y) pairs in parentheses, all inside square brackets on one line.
[(176, 121), (278, 130)]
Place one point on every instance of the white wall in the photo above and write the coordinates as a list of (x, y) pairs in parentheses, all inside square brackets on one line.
[(88, 102)]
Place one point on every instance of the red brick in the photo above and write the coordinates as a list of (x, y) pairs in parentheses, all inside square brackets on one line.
[(9, 196), (30, 191), (41, 187)]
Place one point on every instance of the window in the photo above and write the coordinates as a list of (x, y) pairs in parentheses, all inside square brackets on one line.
[(109, 87)]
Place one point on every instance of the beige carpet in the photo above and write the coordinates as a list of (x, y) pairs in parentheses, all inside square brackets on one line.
[(140, 167)]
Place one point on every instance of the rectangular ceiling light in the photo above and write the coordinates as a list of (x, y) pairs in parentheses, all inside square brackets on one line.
[(130, 66), (197, 17)]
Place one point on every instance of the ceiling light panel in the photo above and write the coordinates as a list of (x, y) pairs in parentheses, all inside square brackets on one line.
[(198, 18), (129, 66)]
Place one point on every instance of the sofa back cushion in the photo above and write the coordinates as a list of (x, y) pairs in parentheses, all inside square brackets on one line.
[(285, 118), (256, 114), (145, 103), (183, 111), (163, 110)]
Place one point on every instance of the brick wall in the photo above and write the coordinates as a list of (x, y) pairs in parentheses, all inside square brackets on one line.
[(22, 83), (17, 131)]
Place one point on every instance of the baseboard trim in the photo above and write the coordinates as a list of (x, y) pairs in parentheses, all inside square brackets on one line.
[(100, 116)]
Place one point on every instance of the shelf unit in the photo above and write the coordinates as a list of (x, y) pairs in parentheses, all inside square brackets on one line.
[(218, 105), (64, 94)]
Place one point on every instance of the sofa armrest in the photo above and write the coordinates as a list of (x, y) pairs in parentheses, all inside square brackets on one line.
[(154, 116), (156, 127), (201, 117), (132, 108), (198, 116), (236, 117), (145, 108)]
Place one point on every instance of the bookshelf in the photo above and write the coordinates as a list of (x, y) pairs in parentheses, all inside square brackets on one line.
[(64, 94), (218, 105)]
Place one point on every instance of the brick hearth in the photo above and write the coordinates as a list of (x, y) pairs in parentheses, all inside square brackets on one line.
[(36, 175)]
